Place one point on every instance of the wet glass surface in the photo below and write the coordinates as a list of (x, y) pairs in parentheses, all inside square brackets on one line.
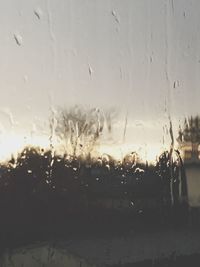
[(99, 120)]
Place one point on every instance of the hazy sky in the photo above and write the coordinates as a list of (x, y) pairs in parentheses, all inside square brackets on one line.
[(138, 55)]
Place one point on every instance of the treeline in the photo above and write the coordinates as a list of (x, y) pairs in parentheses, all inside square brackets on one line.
[(41, 191)]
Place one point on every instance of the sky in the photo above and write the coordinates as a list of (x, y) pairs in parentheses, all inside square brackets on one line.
[(140, 56)]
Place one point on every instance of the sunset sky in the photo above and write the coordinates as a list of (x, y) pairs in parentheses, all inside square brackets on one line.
[(140, 56)]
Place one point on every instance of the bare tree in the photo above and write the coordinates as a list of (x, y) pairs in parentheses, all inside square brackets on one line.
[(110, 115), (190, 134), (191, 130), (80, 128)]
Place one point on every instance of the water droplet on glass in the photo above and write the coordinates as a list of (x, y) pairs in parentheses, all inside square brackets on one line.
[(90, 70), (18, 39), (139, 124), (115, 16), (9, 114), (52, 162), (176, 84), (38, 13), (139, 171)]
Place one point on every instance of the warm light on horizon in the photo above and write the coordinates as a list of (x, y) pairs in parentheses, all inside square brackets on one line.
[(148, 152), (13, 144)]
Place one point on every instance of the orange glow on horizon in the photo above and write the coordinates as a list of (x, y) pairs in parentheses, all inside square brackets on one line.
[(13, 144)]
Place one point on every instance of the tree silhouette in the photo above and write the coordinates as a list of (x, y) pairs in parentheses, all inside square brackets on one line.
[(189, 135), (80, 128), (191, 130)]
